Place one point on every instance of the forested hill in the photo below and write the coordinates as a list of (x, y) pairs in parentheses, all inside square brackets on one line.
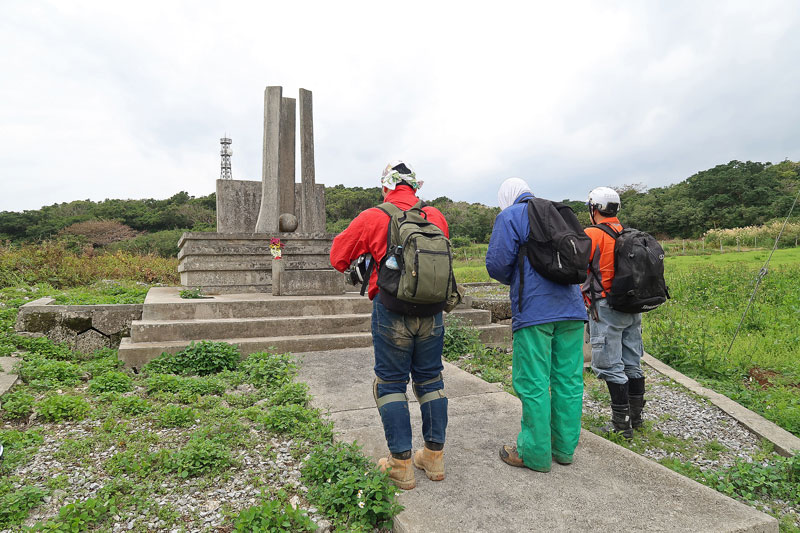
[(727, 196), (731, 195)]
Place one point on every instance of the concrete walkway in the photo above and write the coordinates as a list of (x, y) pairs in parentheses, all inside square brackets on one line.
[(608, 488), (7, 379)]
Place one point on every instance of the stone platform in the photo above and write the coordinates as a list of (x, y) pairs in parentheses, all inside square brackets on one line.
[(259, 321), (608, 488), (241, 262)]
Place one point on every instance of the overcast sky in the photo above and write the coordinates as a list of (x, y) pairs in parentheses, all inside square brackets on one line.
[(129, 99)]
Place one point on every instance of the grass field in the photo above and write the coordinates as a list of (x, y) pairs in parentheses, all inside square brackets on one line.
[(693, 330)]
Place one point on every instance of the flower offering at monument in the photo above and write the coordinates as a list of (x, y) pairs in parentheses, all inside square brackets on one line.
[(275, 247)]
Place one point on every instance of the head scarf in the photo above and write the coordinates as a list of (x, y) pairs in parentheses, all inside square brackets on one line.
[(510, 191), (392, 175)]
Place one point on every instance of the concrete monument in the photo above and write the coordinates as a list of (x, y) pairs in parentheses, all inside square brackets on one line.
[(251, 213)]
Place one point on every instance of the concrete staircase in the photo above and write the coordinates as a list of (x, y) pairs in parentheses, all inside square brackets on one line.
[(259, 321)]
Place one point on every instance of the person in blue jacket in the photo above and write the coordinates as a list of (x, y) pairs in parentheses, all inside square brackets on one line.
[(547, 365)]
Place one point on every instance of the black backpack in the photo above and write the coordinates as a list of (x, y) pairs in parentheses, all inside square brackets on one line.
[(557, 246), (638, 284)]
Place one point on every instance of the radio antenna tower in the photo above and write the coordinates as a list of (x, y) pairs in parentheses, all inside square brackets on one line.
[(225, 152)]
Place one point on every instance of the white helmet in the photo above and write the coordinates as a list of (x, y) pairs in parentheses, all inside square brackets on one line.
[(605, 200)]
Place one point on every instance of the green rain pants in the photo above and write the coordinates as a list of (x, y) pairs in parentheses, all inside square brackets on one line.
[(547, 375)]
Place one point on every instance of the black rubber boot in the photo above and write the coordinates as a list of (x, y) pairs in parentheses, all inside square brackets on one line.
[(620, 410), (636, 401)]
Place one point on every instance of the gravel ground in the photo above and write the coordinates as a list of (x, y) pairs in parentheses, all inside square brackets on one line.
[(199, 502), (678, 413)]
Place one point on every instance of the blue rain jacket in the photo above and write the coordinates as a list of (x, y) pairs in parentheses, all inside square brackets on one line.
[(544, 300)]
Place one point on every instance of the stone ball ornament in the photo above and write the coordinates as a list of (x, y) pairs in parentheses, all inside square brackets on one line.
[(287, 222)]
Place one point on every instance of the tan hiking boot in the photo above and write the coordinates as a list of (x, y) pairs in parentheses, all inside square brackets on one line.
[(432, 462), (400, 471)]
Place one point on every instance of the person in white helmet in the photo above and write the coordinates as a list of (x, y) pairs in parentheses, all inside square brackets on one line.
[(616, 337)]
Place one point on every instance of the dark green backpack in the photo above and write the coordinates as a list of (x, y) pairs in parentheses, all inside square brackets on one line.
[(417, 269)]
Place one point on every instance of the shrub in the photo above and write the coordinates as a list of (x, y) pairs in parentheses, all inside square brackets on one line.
[(288, 418), (100, 232), (111, 382), (201, 358), (347, 486), (44, 374), (176, 416), (15, 505), (131, 405), (58, 408), (103, 361), (162, 243), (268, 369), (51, 262), (291, 394), (272, 515), (78, 516), (16, 405), (199, 457), (460, 242), (459, 339)]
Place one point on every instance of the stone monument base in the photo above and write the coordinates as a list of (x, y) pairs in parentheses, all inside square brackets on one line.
[(241, 262)]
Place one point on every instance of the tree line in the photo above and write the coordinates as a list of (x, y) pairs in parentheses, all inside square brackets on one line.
[(732, 195)]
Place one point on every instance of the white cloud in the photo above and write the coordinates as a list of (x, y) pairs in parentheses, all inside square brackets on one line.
[(102, 99)]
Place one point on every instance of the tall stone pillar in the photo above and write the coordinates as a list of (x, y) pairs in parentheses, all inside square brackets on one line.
[(270, 185), (287, 157), (311, 220)]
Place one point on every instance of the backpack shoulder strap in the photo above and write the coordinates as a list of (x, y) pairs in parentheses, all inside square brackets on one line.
[(367, 275), (389, 208), (605, 228)]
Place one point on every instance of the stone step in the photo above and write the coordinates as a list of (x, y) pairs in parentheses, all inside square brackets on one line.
[(226, 328), (163, 303), (241, 328), (136, 354)]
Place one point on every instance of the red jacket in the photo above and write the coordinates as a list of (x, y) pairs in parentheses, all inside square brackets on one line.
[(366, 234)]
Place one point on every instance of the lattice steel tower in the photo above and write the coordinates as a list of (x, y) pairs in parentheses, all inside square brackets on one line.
[(225, 152)]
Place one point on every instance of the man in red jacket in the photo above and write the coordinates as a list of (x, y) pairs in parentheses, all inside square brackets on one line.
[(407, 340)]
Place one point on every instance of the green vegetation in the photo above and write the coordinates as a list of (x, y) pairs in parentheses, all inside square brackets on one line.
[(179, 211), (191, 421), (768, 483), (191, 294), (692, 331), (62, 407), (349, 487), (200, 456), (463, 347), (112, 381), (16, 504), (273, 515), (52, 263), (469, 264), (201, 358), (727, 196), (16, 405)]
